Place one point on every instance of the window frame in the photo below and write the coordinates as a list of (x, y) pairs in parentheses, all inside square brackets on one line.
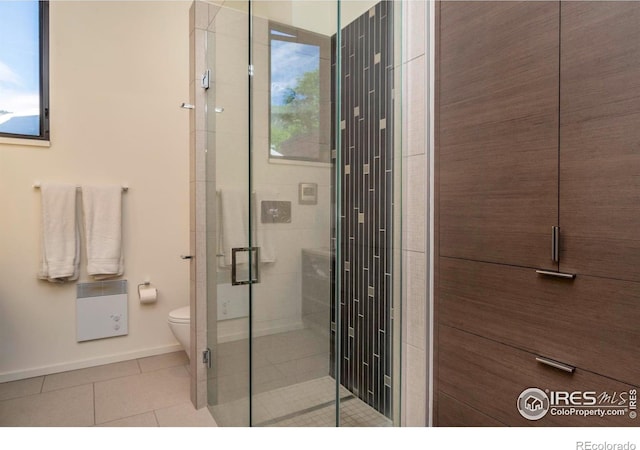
[(44, 135), (304, 37)]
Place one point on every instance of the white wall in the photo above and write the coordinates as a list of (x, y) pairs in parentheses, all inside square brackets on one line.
[(119, 71)]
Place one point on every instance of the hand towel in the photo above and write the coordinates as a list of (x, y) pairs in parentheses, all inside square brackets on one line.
[(265, 234), (234, 221), (102, 207), (60, 234)]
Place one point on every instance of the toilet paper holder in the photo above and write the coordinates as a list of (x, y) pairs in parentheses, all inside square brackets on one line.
[(145, 298)]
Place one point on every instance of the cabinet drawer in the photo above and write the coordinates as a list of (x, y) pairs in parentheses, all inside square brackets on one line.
[(589, 322), (490, 376), (452, 413)]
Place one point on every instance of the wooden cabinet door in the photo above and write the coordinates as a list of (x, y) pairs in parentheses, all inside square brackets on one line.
[(600, 139), (497, 146)]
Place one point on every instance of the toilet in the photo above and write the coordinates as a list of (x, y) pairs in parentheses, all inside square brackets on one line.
[(179, 322)]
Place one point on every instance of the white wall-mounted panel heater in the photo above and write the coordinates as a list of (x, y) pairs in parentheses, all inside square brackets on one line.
[(101, 310)]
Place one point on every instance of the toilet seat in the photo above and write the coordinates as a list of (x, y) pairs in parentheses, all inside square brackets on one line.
[(180, 315)]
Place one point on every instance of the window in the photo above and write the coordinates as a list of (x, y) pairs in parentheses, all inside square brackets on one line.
[(24, 77), (300, 101)]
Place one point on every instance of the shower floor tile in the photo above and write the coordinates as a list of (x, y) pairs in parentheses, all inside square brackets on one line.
[(312, 404), (291, 385)]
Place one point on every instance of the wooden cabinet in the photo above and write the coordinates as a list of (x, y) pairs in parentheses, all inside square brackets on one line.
[(589, 322), (498, 134), (489, 376), (600, 139), (537, 125)]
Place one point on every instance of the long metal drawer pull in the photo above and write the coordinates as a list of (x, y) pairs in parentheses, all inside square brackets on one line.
[(558, 365), (555, 244), (568, 276)]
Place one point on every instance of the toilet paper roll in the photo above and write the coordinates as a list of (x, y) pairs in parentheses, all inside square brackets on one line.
[(148, 294)]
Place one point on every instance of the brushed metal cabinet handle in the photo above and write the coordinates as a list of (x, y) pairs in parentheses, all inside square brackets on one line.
[(550, 273), (555, 364), (555, 244)]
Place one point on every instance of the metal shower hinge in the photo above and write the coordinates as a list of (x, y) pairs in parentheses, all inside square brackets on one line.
[(206, 358), (205, 80), (251, 71)]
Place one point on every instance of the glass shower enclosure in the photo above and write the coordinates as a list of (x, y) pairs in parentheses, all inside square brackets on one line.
[(303, 226)]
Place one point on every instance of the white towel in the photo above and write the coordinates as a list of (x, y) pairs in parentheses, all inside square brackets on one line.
[(60, 234), (234, 225), (264, 235), (103, 229)]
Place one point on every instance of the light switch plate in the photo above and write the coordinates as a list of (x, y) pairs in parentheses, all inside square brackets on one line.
[(308, 194)]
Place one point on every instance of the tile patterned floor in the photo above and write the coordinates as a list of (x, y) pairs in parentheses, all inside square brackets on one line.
[(144, 392), (291, 386), (307, 404)]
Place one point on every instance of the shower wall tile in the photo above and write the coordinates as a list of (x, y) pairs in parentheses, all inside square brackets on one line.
[(231, 68), (214, 9), (233, 23), (414, 204), (198, 195), (197, 160), (201, 18), (414, 310), (415, 28), (415, 194), (416, 395), (367, 170), (201, 206), (199, 46), (415, 119), (192, 113)]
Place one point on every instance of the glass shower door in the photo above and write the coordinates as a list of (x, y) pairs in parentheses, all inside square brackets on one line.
[(302, 245), (228, 213), (293, 382)]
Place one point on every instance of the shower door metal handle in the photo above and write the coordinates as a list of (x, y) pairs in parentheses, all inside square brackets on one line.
[(254, 252)]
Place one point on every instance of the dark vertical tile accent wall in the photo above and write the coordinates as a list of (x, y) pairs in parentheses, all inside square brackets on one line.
[(367, 206)]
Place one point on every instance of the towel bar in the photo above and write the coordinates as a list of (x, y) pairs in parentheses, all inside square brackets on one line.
[(37, 185)]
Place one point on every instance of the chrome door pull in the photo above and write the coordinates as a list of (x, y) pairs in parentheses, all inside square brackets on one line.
[(550, 273), (555, 364), (234, 264)]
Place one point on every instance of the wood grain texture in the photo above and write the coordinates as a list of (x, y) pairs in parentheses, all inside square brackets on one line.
[(453, 413), (498, 131), (436, 208), (590, 322), (490, 376), (600, 139)]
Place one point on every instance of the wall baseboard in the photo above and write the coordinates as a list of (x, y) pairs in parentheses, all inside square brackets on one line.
[(84, 363)]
